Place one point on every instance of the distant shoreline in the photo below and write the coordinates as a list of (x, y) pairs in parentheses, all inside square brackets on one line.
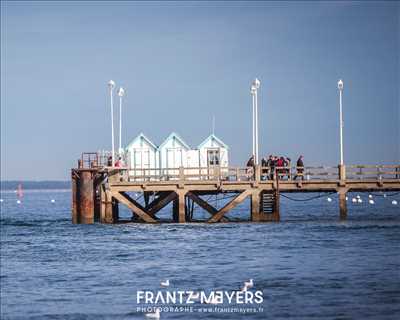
[(36, 185)]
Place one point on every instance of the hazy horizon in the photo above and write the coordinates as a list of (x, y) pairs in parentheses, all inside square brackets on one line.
[(180, 63)]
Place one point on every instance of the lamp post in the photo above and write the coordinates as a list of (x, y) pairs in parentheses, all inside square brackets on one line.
[(340, 87), (254, 88), (111, 86), (121, 93), (253, 93)]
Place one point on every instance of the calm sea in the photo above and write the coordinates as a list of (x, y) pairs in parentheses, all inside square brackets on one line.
[(310, 265)]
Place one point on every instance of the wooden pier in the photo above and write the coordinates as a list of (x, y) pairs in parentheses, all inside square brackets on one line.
[(98, 190)]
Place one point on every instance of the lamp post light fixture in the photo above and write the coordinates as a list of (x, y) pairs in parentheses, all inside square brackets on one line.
[(254, 89), (111, 86), (121, 93), (340, 87)]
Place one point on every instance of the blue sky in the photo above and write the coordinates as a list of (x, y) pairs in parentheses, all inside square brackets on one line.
[(183, 62)]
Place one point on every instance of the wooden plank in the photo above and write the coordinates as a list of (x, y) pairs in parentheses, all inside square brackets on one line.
[(134, 206), (230, 205)]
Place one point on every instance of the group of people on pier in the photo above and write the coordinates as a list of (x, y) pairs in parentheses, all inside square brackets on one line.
[(278, 165)]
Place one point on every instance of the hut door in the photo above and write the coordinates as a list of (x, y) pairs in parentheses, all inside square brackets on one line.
[(146, 159), (213, 157), (174, 158)]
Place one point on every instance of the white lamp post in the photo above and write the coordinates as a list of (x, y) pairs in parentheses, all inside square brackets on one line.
[(253, 93), (254, 88), (121, 93), (340, 87), (111, 86)]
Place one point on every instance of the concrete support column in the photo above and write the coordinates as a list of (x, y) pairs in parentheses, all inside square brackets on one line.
[(277, 211), (86, 197), (255, 205), (343, 204), (181, 206), (106, 211)]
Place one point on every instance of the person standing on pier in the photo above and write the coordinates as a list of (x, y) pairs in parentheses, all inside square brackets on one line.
[(300, 168), (119, 163), (250, 167), (264, 168), (109, 161)]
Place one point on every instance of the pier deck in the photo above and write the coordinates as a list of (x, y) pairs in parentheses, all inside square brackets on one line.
[(97, 191)]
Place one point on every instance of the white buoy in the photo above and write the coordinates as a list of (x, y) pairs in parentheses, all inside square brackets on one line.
[(371, 201), (164, 283), (52, 201), (394, 202), (354, 200), (359, 200), (154, 315), (329, 199), (19, 201), (370, 196), (1, 200), (358, 196)]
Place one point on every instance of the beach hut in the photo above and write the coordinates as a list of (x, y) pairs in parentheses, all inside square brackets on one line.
[(213, 152), (142, 153), (173, 152)]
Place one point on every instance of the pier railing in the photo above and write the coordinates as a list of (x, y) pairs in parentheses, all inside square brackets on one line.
[(258, 173)]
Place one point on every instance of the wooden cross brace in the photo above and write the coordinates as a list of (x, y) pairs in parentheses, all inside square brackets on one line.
[(133, 205), (230, 205)]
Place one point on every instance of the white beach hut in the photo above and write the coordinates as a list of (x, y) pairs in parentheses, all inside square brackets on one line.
[(213, 152), (173, 152), (142, 153)]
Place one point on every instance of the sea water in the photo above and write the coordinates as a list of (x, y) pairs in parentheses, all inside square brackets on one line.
[(310, 265)]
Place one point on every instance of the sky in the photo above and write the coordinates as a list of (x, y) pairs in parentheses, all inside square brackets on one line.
[(181, 63)]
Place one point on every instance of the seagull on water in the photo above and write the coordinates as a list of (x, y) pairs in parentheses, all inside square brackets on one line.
[(52, 201), (359, 200), (354, 200), (370, 196), (214, 300), (196, 295), (394, 202), (247, 285), (19, 201), (329, 199), (164, 283), (154, 315), (371, 201)]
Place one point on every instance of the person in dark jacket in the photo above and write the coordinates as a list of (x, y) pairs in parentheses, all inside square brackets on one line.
[(109, 161), (287, 162), (250, 162), (264, 169), (300, 168), (272, 164), (250, 168)]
